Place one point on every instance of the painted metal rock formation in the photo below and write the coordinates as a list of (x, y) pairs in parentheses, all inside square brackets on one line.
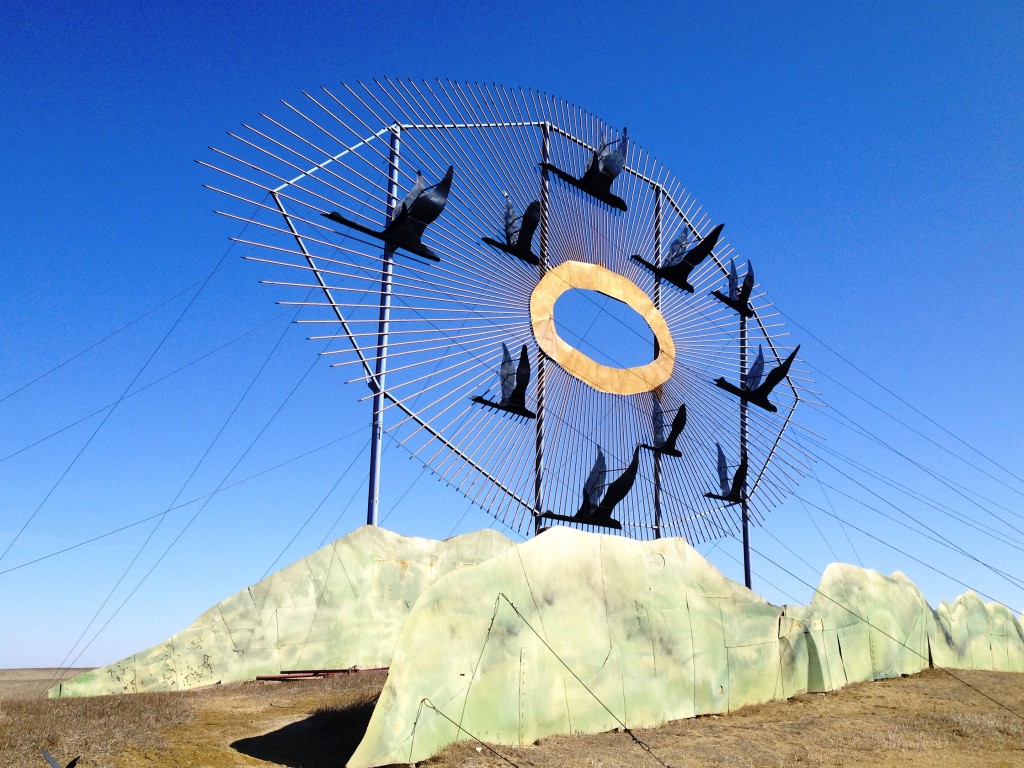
[(341, 607), (574, 632), (570, 632)]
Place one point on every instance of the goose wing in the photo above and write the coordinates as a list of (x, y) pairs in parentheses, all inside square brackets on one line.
[(518, 395), (528, 225), (677, 250), (733, 280), (723, 471), (699, 251), (779, 373), (678, 424), (738, 480), (595, 481), (612, 155), (753, 378), (658, 419), (507, 374), (49, 758), (511, 220), (412, 195), (748, 284), (427, 203), (622, 485)]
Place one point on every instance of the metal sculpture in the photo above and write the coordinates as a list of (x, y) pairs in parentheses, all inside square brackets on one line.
[(420, 207), (734, 491), (738, 296), (596, 509), (425, 342), (606, 164), (665, 443), (755, 391), (514, 381), (684, 255), (518, 231)]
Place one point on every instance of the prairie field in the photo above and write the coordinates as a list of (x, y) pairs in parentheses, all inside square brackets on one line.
[(925, 720)]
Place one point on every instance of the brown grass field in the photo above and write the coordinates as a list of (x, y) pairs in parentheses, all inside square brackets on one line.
[(926, 720)]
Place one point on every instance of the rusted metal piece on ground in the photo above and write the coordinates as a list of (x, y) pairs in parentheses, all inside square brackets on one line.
[(288, 675)]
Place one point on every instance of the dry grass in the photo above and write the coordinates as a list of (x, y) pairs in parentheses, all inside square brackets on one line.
[(100, 728), (927, 720)]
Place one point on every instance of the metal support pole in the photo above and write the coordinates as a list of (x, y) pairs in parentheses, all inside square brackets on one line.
[(538, 464), (383, 327), (657, 305), (743, 450)]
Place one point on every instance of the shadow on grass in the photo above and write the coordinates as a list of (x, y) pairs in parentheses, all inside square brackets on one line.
[(327, 738)]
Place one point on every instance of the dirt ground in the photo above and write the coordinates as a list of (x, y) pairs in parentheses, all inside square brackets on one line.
[(926, 720)]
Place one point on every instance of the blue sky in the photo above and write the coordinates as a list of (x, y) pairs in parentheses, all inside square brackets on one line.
[(867, 158)]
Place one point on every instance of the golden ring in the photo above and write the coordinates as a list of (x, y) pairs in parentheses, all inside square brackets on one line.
[(604, 378)]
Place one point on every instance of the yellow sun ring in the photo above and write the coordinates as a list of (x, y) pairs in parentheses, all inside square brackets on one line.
[(603, 378)]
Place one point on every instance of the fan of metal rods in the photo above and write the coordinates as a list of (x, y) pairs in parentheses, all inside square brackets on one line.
[(426, 336)]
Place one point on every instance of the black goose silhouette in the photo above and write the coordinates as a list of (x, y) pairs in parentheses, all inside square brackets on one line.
[(738, 296), (666, 444), (49, 758), (420, 207), (683, 257), (755, 391), (607, 162), (518, 231), (514, 382), (596, 513), (732, 493)]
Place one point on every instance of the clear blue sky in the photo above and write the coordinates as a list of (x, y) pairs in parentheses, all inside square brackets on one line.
[(867, 158)]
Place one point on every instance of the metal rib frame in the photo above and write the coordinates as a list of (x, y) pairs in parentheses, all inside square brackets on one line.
[(485, 132)]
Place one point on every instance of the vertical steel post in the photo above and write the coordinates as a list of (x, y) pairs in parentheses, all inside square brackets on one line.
[(657, 305), (383, 328), (743, 450), (538, 464)]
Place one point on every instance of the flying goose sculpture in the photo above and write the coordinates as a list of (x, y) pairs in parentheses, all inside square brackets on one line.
[(514, 381), (738, 296), (599, 513), (755, 391), (518, 231), (731, 493), (606, 164), (665, 444), (683, 256), (420, 207)]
